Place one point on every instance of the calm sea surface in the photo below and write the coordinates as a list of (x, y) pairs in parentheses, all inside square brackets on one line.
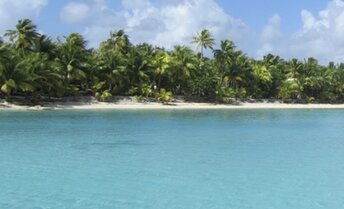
[(172, 159)]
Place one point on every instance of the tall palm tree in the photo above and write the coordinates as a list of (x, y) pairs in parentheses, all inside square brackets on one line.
[(24, 34), (203, 40), (161, 63), (108, 73), (183, 64), (224, 57), (234, 65), (73, 60), (120, 41), (137, 67), (294, 69), (278, 69), (262, 79)]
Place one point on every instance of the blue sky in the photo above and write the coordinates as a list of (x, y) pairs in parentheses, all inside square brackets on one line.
[(257, 12), (290, 28)]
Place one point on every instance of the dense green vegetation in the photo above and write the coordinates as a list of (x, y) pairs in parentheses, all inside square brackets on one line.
[(34, 66)]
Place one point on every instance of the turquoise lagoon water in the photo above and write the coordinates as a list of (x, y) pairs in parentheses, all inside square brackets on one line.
[(172, 159)]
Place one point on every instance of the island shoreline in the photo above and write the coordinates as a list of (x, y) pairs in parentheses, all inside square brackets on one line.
[(132, 103)]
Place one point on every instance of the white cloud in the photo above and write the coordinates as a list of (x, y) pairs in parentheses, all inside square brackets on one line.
[(134, 4), (165, 23), (171, 22), (75, 12), (180, 23), (321, 36), (272, 30), (11, 11), (271, 34)]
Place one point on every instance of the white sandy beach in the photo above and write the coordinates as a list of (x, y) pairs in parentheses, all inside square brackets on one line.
[(132, 104)]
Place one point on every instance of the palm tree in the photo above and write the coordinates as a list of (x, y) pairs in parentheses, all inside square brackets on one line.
[(294, 69), (183, 64), (277, 68), (262, 78), (48, 80), (44, 44), (119, 40), (137, 67), (5, 53), (33, 74), (24, 34), (5, 61), (73, 60), (234, 66), (16, 76), (291, 89), (223, 57), (161, 63), (262, 73), (203, 40), (337, 81), (107, 73)]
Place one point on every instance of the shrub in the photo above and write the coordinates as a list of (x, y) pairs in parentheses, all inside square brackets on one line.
[(164, 96), (104, 96)]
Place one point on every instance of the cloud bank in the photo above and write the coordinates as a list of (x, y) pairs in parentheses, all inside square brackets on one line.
[(11, 11), (321, 35), (167, 23)]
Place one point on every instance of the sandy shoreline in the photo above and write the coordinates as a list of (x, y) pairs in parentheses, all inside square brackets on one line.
[(125, 104)]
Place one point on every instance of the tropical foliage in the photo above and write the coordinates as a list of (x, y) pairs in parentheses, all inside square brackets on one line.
[(35, 66)]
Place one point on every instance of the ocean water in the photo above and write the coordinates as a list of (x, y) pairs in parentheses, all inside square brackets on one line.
[(172, 159)]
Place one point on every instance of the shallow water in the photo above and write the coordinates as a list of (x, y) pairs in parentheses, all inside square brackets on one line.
[(180, 159)]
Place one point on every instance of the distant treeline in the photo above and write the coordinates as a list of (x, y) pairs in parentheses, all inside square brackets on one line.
[(34, 66)]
